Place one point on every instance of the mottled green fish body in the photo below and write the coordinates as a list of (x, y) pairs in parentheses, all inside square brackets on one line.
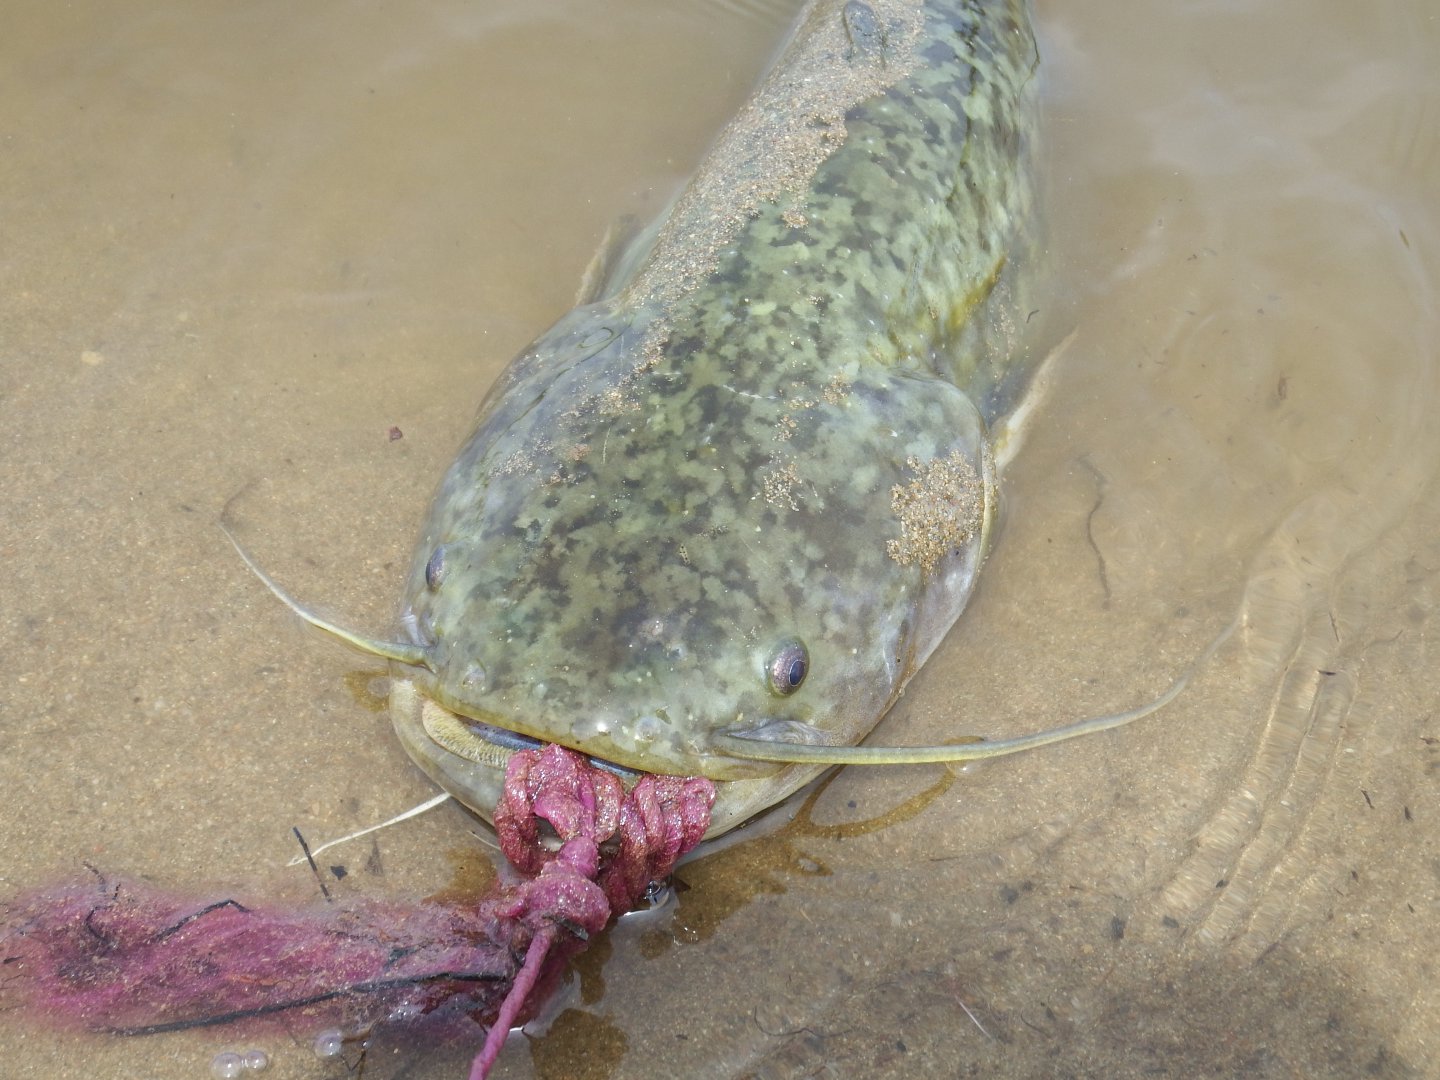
[(746, 490)]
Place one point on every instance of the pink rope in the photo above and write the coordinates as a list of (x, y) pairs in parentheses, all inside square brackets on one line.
[(510, 1008)]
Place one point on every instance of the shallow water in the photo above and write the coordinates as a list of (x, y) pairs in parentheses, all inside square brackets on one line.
[(242, 243)]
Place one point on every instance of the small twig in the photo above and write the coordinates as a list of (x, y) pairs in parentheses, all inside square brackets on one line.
[(972, 1017), (311, 860)]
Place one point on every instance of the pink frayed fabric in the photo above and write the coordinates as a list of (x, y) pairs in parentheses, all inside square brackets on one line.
[(128, 958)]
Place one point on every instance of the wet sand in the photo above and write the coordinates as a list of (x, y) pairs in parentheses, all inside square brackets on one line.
[(240, 245)]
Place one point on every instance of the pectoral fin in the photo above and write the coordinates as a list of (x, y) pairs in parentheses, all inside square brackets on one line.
[(611, 262)]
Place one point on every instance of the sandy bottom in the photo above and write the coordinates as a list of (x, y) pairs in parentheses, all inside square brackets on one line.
[(244, 245)]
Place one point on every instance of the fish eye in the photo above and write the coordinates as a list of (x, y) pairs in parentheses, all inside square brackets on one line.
[(788, 668), (435, 568)]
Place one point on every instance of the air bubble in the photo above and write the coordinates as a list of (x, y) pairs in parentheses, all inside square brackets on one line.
[(475, 677), (227, 1066), (257, 1060), (329, 1043)]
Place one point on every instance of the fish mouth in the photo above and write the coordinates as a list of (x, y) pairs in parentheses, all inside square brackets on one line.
[(487, 744), (467, 758)]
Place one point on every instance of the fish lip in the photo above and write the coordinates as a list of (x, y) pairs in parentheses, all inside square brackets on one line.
[(782, 730)]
